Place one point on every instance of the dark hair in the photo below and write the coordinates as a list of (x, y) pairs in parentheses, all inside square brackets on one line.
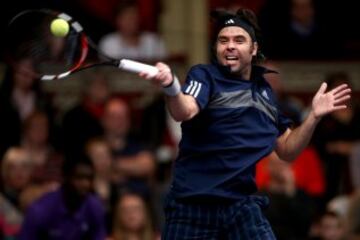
[(124, 5), (247, 16), (7, 84), (335, 78), (72, 162), (33, 116)]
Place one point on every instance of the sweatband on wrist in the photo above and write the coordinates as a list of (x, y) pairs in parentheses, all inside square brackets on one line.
[(174, 88)]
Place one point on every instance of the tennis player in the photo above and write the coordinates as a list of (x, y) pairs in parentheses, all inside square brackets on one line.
[(230, 121)]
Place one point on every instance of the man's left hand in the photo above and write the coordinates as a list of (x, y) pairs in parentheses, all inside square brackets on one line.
[(333, 100)]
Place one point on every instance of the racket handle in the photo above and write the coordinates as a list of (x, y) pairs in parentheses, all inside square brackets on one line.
[(137, 67)]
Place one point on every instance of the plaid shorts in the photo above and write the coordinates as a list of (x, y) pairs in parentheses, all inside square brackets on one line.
[(240, 219)]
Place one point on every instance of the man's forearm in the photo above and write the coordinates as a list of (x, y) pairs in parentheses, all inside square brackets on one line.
[(294, 143), (182, 107)]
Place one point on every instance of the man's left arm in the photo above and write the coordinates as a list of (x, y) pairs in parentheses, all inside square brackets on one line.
[(291, 143)]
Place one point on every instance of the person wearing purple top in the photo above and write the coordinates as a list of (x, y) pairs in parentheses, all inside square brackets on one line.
[(72, 212)]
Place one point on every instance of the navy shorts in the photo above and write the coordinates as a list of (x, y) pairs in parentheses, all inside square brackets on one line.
[(217, 220)]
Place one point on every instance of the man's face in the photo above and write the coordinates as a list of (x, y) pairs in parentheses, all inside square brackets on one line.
[(82, 180), (116, 119), (235, 48)]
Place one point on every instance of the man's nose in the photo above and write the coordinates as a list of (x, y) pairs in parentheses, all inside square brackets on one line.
[(230, 45)]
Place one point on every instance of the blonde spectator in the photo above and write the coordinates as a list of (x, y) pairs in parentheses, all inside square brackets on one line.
[(132, 219), (16, 169), (15, 176)]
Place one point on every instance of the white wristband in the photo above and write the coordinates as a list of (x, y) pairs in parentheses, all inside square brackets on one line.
[(174, 88)]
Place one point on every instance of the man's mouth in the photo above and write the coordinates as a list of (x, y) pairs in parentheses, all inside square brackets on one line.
[(231, 58)]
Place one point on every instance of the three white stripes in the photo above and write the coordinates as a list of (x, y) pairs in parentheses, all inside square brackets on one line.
[(194, 88)]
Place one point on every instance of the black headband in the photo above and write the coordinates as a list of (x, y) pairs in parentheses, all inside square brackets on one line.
[(225, 19)]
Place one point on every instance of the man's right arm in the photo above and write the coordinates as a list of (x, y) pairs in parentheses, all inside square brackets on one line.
[(182, 107)]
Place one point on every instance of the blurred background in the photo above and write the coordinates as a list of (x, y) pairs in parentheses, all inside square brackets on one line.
[(121, 123)]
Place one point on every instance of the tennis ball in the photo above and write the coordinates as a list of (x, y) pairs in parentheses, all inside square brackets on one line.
[(59, 27)]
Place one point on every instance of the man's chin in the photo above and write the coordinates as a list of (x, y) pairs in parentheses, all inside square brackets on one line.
[(234, 69)]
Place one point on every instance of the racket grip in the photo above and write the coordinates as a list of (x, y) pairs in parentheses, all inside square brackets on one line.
[(137, 67)]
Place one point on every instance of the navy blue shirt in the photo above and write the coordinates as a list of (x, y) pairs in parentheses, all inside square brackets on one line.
[(237, 125)]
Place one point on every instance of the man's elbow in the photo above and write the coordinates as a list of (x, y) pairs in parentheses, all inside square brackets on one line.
[(183, 116), (287, 157)]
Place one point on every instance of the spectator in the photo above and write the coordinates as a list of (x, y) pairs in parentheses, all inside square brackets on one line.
[(100, 155), (291, 106), (160, 132), (132, 219), (46, 161), (307, 170), (331, 227), (334, 139), (307, 167), (291, 209), (355, 165), (15, 176), (20, 95), (301, 34), (82, 122), (70, 213), (134, 164), (354, 217), (129, 41), (99, 152)]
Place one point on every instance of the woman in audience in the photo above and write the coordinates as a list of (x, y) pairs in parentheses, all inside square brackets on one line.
[(15, 177), (132, 219), (46, 161)]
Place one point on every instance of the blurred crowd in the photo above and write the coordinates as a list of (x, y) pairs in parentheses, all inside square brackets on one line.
[(97, 171)]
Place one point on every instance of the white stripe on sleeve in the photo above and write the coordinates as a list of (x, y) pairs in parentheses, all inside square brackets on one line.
[(198, 90), (194, 88), (189, 87)]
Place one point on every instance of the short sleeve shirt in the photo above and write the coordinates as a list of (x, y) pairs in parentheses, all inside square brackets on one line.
[(237, 125)]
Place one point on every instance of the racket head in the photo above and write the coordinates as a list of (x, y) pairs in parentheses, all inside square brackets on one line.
[(29, 36)]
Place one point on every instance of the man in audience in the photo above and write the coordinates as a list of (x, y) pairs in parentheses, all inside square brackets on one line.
[(70, 213)]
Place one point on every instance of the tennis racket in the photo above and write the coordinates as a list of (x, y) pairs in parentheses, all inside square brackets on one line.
[(29, 35)]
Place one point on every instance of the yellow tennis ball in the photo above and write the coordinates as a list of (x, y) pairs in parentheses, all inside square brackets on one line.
[(59, 27)]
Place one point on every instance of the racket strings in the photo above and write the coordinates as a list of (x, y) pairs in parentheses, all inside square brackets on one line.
[(29, 36)]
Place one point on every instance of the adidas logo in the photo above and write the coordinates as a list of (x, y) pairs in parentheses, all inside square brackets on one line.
[(264, 94), (230, 21)]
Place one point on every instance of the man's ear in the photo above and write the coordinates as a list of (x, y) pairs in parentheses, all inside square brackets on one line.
[(255, 49)]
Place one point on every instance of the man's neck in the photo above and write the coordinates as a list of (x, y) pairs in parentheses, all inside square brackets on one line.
[(244, 73)]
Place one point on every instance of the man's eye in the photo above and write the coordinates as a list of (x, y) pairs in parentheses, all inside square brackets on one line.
[(240, 40)]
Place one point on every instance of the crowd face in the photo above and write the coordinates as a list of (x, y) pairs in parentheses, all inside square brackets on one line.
[(37, 129), (235, 49), (302, 11), (132, 213), (331, 228), (82, 179), (16, 169), (128, 21), (98, 89), (24, 75), (116, 119), (101, 156)]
